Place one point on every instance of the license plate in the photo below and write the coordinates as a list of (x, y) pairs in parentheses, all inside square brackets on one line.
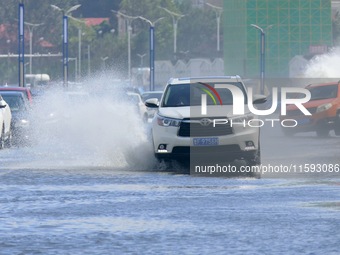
[(205, 141), (304, 121)]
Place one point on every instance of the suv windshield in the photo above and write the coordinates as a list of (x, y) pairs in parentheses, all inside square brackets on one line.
[(323, 92), (190, 94)]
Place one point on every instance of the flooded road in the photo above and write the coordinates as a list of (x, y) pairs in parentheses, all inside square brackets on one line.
[(93, 187), (104, 211), (54, 202)]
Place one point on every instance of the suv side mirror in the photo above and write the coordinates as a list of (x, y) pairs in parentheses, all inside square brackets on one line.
[(2, 104), (259, 99), (152, 103)]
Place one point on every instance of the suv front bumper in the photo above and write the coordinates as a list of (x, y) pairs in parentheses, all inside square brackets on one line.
[(243, 143)]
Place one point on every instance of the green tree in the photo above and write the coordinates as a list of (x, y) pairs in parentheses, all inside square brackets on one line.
[(196, 34), (150, 10), (197, 31), (36, 12)]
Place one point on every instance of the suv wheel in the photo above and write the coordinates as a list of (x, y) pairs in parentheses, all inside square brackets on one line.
[(255, 161), (322, 132)]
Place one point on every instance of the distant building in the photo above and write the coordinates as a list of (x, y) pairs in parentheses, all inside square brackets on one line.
[(292, 27)]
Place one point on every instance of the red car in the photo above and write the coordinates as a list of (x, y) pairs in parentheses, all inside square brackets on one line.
[(324, 106), (25, 90)]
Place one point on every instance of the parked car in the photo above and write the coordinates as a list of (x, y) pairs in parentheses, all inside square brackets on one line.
[(180, 131), (324, 106), (137, 101), (151, 94), (25, 90), (5, 124), (20, 109)]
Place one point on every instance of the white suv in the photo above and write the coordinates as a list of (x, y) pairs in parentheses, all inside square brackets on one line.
[(195, 119)]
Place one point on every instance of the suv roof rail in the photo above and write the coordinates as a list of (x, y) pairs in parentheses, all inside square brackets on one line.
[(205, 77)]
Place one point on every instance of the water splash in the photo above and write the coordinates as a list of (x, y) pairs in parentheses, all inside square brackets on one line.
[(93, 125), (324, 66)]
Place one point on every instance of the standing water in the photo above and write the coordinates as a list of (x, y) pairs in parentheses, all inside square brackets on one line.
[(88, 185)]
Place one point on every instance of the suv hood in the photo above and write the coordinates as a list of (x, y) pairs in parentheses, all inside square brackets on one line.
[(195, 111), (311, 104)]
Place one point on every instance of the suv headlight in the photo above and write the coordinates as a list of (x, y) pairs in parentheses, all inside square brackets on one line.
[(167, 122), (324, 107)]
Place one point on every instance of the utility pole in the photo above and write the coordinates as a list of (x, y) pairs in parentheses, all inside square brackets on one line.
[(129, 20), (30, 29), (152, 50), (21, 46), (175, 18), (218, 11), (65, 15), (262, 54)]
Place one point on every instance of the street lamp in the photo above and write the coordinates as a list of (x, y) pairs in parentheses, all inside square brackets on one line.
[(75, 68), (30, 29), (152, 50), (103, 63), (218, 11), (79, 51), (21, 46), (112, 31), (141, 58), (263, 49), (79, 44), (175, 18), (66, 14), (129, 20), (89, 60)]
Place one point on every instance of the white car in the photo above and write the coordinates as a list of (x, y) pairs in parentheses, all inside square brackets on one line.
[(137, 101), (184, 129), (5, 124)]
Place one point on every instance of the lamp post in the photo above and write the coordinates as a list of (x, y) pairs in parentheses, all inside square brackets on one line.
[(262, 50), (79, 44), (175, 18), (89, 60), (112, 31), (65, 14), (218, 11), (152, 50), (104, 62), (129, 20), (75, 68), (30, 29), (80, 34), (21, 46), (141, 58), (79, 52)]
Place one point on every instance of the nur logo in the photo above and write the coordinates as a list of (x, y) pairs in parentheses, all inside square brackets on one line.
[(239, 99), (211, 91)]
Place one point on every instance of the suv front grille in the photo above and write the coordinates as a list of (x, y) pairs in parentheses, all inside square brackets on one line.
[(193, 128)]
